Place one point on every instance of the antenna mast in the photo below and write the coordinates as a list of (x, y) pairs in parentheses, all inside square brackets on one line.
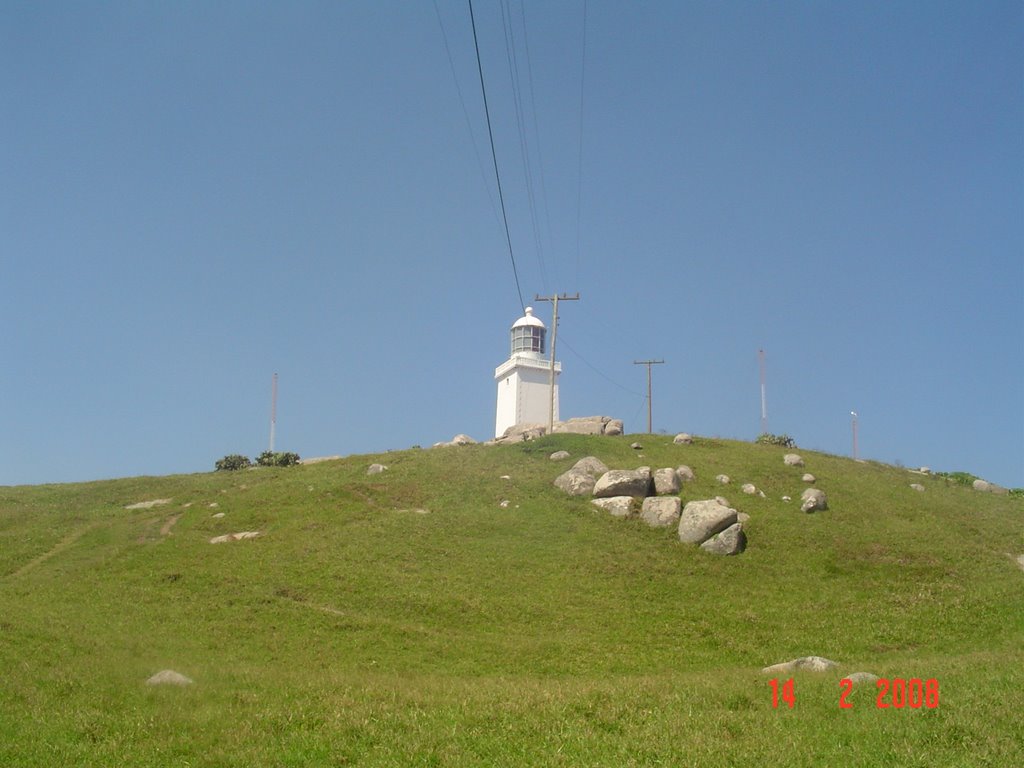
[(273, 412)]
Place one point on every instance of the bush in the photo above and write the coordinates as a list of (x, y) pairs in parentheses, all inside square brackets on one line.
[(960, 478), (785, 441), (232, 462), (277, 459)]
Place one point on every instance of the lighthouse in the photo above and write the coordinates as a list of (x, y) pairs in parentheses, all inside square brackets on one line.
[(524, 380)]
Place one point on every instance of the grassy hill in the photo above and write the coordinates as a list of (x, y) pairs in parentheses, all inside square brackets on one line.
[(409, 618)]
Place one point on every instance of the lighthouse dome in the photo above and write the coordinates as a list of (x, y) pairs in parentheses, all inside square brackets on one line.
[(528, 334)]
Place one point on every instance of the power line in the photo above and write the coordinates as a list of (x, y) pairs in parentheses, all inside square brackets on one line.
[(648, 363), (494, 157), (465, 113), (579, 165)]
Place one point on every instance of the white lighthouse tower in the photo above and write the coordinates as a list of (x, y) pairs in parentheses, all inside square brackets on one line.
[(524, 380)]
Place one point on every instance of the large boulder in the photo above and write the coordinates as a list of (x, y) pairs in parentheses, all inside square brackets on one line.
[(616, 506), (575, 482), (583, 425), (682, 439), (812, 500), (660, 511), (792, 460), (731, 541), (614, 427), (700, 520), (462, 440), (666, 482), (623, 482), (591, 465), (519, 433), (984, 485)]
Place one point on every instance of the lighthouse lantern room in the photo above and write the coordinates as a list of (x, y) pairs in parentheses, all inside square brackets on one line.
[(524, 380)]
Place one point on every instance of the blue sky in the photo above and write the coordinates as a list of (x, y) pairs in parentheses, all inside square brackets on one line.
[(199, 195)]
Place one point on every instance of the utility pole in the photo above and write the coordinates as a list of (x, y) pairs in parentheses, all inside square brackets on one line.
[(554, 338), (764, 402), (648, 363), (273, 411)]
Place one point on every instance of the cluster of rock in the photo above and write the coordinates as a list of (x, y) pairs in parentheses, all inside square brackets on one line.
[(711, 523), (519, 433)]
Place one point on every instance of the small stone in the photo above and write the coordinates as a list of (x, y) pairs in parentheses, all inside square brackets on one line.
[(505, 477), (213, 505), (685, 474), (805, 663), (742, 517), (504, 504), (812, 500), (375, 469), (218, 514), (682, 439), (787, 498), (234, 537), (749, 489), (792, 460), (809, 478), (917, 487), (148, 504), (723, 501), (723, 479), (636, 446), (862, 677), (169, 677), (559, 455)]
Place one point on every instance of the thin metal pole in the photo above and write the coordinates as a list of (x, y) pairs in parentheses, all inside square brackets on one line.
[(764, 402), (273, 412)]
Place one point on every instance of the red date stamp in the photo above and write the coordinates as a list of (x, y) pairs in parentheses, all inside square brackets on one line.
[(896, 693)]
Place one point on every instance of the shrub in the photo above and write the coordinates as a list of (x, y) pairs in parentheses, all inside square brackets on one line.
[(232, 462), (785, 441), (960, 478), (277, 459)]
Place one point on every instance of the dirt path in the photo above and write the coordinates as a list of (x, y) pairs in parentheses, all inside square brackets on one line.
[(165, 529), (56, 549)]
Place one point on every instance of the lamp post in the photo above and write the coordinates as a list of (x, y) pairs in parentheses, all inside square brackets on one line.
[(853, 424)]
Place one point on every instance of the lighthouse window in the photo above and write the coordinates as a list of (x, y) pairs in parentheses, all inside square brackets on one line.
[(527, 339)]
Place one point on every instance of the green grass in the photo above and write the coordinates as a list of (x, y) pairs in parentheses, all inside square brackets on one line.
[(360, 631)]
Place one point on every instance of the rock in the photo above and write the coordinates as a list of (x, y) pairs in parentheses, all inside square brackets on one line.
[(213, 504), (809, 478), (792, 460), (1020, 561), (749, 489), (575, 482), (812, 500), (742, 517), (375, 469), (462, 440), (917, 487), (682, 439), (636, 446), (666, 482), (723, 479), (169, 677), (591, 465), (318, 459), (614, 427), (700, 520), (762, 494), (503, 504), (660, 511), (623, 482), (235, 537), (984, 485), (787, 498), (862, 677), (685, 474), (925, 470), (559, 455), (731, 541), (616, 506), (218, 514), (723, 501), (804, 663), (582, 425), (520, 433), (505, 477), (148, 504)]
